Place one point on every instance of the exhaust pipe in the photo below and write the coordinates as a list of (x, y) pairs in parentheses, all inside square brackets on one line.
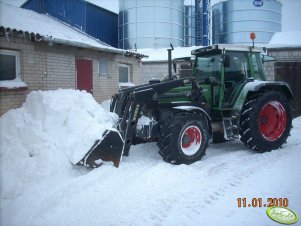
[(170, 61)]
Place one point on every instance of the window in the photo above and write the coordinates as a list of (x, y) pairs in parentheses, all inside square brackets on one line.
[(124, 73), (103, 67), (238, 68), (257, 65), (207, 68), (9, 65)]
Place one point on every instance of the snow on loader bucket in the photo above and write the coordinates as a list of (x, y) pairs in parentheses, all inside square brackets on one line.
[(109, 148)]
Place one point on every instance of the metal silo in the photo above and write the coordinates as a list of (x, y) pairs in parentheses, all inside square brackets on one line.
[(233, 20), (189, 25), (150, 23)]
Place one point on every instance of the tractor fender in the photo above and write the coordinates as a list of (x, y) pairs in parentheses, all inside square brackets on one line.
[(258, 86), (198, 110)]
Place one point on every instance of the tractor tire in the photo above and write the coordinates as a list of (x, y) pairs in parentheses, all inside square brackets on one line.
[(266, 120), (183, 138)]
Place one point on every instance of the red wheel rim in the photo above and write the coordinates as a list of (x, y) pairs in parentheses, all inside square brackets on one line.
[(272, 120), (191, 140)]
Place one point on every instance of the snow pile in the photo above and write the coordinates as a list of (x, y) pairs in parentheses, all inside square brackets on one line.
[(142, 121), (50, 130), (106, 105)]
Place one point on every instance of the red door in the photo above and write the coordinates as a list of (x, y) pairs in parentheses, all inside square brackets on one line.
[(84, 75)]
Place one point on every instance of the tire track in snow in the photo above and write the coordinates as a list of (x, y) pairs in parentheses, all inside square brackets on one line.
[(200, 200), (159, 189), (98, 185)]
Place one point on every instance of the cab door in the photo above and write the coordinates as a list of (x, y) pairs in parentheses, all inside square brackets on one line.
[(208, 71), (234, 76)]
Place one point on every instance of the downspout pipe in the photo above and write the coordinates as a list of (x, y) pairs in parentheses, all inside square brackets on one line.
[(87, 46), (82, 45)]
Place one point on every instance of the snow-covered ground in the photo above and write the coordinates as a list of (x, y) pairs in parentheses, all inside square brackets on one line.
[(40, 186)]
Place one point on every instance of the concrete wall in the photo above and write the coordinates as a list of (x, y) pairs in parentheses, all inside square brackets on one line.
[(44, 67)]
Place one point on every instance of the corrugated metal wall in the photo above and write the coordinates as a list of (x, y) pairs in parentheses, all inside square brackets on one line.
[(35, 5), (72, 12), (95, 21), (102, 23)]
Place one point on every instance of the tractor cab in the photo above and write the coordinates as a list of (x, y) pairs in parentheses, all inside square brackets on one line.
[(223, 70)]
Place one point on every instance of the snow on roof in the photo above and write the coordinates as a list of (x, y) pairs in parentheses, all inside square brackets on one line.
[(161, 55), (111, 5), (16, 3), (285, 39), (49, 28)]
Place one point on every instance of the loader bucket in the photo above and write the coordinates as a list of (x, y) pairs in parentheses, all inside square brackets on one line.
[(109, 148)]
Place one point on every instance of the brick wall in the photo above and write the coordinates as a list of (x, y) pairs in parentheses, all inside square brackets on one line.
[(60, 71), (151, 70), (269, 70), (104, 86), (135, 66), (11, 99), (44, 67)]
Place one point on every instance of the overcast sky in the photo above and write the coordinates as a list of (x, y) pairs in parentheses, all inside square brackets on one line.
[(291, 15), (290, 11)]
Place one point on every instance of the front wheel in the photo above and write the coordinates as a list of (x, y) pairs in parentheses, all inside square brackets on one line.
[(183, 138), (265, 121)]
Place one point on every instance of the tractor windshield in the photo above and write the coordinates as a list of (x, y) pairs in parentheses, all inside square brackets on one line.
[(207, 68)]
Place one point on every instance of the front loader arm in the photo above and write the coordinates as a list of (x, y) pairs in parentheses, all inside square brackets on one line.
[(128, 103)]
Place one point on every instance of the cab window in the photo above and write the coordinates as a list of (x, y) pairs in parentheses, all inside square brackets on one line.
[(207, 69), (257, 65), (238, 68)]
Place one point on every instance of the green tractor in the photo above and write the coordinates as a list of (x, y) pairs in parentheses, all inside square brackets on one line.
[(226, 98)]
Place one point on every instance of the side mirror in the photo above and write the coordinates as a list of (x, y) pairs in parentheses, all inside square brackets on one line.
[(226, 60), (267, 58)]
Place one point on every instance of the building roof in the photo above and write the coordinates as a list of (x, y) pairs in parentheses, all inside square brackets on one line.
[(161, 55), (17, 3), (287, 39), (15, 21)]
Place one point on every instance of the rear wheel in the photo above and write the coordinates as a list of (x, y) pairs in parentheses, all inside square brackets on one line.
[(183, 138), (265, 121)]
